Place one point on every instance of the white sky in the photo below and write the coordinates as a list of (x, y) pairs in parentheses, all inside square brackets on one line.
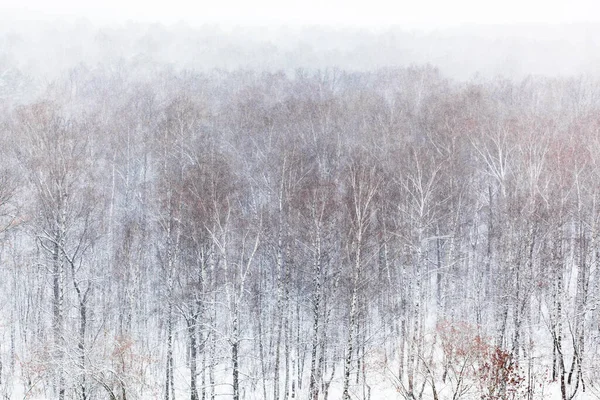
[(414, 13)]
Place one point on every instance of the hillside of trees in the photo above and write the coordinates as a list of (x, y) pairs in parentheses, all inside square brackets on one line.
[(171, 233)]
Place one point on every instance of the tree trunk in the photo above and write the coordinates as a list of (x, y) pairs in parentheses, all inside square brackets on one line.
[(169, 378), (192, 323), (235, 360)]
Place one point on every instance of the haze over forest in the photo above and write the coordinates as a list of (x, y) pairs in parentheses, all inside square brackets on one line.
[(43, 50), (313, 212)]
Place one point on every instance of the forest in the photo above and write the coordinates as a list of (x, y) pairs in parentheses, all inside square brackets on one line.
[(312, 233)]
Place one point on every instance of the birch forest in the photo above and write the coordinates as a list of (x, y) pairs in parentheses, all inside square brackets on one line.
[(306, 232)]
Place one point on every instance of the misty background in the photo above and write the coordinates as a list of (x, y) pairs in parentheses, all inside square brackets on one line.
[(35, 53)]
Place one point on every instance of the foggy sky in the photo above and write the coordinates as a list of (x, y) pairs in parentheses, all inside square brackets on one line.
[(465, 39), (423, 14)]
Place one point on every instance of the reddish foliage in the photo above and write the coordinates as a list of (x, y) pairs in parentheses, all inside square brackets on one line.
[(495, 370), (499, 376)]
